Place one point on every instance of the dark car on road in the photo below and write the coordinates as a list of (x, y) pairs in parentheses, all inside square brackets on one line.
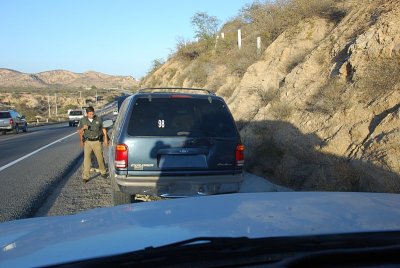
[(11, 120), (174, 142)]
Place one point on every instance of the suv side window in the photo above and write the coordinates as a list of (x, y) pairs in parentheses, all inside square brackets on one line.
[(118, 122), (181, 117)]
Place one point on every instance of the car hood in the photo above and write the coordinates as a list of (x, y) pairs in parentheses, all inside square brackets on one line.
[(114, 230)]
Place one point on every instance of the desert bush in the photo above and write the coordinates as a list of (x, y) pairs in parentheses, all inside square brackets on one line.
[(265, 96), (218, 82), (227, 92), (156, 64), (237, 61), (294, 61), (110, 98), (171, 73), (330, 98), (189, 51), (378, 78), (197, 73), (180, 80), (281, 110), (265, 158)]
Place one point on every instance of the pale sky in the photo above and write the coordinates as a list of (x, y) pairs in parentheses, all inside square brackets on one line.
[(119, 37)]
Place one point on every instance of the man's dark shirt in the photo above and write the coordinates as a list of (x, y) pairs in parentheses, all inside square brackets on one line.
[(94, 130)]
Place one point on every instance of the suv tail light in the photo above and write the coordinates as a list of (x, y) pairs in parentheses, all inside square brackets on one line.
[(239, 155), (11, 121), (121, 156)]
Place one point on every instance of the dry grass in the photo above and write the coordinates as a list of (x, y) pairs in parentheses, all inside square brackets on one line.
[(380, 76), (330, 99), (281, 110), (265, 95)]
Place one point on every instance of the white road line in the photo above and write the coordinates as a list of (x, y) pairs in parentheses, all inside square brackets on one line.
[(34, 152)]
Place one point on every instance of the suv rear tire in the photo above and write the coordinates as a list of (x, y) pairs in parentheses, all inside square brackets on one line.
[(118, 197)]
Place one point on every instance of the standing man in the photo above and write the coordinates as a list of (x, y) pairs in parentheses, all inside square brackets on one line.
[(90, 131)]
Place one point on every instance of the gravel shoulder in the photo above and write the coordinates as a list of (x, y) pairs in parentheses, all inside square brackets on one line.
[(72, 195)]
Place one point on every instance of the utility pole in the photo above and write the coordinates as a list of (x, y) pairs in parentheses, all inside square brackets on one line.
[(258, 45), (80, 98), (48, 103), (239, 38), (55, 99)]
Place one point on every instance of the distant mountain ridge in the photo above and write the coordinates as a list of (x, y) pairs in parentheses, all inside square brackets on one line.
[(63, 78)]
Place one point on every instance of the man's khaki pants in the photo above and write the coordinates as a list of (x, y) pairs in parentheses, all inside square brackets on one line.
[(97, 148)]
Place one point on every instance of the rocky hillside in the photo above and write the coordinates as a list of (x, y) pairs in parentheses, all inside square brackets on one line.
[(63, 79), (320, 108)]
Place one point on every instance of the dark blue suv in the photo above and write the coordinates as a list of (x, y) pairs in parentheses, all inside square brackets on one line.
[(173, 142)]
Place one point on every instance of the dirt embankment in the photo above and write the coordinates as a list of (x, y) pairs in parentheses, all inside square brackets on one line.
[(320, 110)]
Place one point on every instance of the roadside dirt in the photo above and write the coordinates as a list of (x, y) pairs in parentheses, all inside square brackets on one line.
[(72, 195)]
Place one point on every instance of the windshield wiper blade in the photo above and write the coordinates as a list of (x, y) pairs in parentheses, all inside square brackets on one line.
[(209, 241), (208, 251)]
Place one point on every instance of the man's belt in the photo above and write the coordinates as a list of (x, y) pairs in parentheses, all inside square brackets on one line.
[(92, 139)]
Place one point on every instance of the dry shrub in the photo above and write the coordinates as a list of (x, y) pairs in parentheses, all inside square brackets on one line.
[(226, 92), (281, 110), (189, 51), (171, 73), (197, 74), (238, 60), (294, 61), (265, 95), (264, 153), (217, 83), (330, 98), (380, 77)]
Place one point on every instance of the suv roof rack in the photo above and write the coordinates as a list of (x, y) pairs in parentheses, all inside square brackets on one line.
[(170, 89)]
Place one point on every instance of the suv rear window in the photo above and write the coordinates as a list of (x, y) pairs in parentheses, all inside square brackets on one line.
[(191, 117), (5, 115)]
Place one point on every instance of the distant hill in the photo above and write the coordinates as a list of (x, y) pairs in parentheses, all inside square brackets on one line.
[(62, 78)]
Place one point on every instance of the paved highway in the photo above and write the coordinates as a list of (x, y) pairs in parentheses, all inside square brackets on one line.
[(40, 175), (31, 164)]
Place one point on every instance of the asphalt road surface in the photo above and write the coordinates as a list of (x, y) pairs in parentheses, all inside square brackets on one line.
[(31, 164), (40, 175)]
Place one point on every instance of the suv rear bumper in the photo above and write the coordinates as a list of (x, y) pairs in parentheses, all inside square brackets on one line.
[(179, 186), (9, 127)]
